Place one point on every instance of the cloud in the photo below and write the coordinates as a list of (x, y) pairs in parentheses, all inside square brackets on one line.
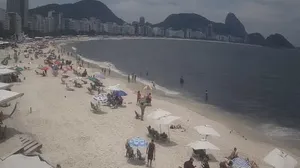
[(265, 16)]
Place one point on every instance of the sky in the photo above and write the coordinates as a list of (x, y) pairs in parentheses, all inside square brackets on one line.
[(264, 16)]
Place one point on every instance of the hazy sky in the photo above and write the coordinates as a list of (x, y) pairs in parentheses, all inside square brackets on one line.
[(264, 16)]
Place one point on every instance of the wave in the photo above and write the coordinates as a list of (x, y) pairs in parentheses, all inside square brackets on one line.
[(283, 133), (116, 70)]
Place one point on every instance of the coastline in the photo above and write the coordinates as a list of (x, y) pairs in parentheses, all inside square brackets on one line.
[(87, 129)]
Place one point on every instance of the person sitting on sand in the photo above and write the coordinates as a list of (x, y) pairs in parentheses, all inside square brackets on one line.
[(226, 164), (84, 74), (234, 154), (189, 164), (151, 152), (139, 96), (149, 98)]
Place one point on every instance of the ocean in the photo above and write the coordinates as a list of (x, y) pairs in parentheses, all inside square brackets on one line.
[(258, 84)]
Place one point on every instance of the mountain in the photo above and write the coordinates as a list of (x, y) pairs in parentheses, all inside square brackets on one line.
[(256, 38), (194, 21), (278, 41), (232, 26), (79, 10), (235, 27)]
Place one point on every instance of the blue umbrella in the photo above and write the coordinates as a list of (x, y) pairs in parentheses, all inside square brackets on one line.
[(120, 93), (138, 142)]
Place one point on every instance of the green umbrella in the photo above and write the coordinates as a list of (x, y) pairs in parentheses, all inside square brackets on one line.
[(93, 79), (19, 69)]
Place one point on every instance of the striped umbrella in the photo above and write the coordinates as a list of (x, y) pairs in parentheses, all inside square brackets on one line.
[(138, 142)]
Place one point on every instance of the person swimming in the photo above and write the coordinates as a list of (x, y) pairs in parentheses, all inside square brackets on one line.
[(181, 81)]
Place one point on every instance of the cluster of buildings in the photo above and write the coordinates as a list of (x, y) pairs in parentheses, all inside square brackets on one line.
[(15, 19)]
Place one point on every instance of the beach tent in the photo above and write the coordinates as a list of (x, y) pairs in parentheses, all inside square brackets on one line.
[(6, 96), (280, 159), (21, 161), (158, 113), (206, 130), (5, 85), (203, 144), (6, 71)]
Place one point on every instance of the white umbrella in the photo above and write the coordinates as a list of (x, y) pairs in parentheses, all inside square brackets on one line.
[(114, 87), (167, 120), (280, 159), (158, 113), (206, 130), (203, 144)]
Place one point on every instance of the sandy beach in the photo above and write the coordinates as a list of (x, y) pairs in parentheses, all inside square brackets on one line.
[(75, 137)]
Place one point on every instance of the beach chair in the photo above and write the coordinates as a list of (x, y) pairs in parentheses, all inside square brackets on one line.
[(62, 81), (69, 88)]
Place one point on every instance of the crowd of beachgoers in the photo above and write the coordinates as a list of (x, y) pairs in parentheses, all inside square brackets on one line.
[(83, 117)]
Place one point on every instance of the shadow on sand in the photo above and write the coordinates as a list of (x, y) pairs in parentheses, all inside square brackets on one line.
[(9, 132)]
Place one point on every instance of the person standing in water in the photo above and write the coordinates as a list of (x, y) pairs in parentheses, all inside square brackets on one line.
[(181, 81), (206, 96)]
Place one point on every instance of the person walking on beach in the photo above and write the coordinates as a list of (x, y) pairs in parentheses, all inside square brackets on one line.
[(108, 71), (128, 78), (181, 81), (206, 96), (143, 107), (150, 152)]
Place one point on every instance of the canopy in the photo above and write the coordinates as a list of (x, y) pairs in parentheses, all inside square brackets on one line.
[(166, 120), (19, 160), (203, 144), (206, 130), (114, 87), (280, 159), (6, 71), (6, 96), (158, 113)]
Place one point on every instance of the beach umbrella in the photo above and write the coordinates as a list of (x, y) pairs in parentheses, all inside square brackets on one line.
[(19, 69), (280, 159), (45, 68), (99, 75), (240, 163), (167, 120), (206, 130), (93, 79), (120, 93), (203, 144), (158, 113), (57, 62), (114, 87), (148, 87), (138, 142)]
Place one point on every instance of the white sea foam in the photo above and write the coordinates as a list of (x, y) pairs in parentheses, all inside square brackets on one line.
[(285, 133), (116, 70)]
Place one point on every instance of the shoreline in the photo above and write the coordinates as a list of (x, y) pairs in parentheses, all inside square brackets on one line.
[(212, 112), (77, 135)]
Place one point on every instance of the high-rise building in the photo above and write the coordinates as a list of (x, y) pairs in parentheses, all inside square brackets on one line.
[(15, 23), (20, 7), (142, 21), (4, 19)]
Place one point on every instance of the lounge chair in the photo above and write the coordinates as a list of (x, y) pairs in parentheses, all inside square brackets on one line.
[(69, 88), (76, 84), (95, 108), (62, 81)]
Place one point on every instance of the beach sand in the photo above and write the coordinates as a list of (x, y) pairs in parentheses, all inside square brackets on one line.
[(75, 137)]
